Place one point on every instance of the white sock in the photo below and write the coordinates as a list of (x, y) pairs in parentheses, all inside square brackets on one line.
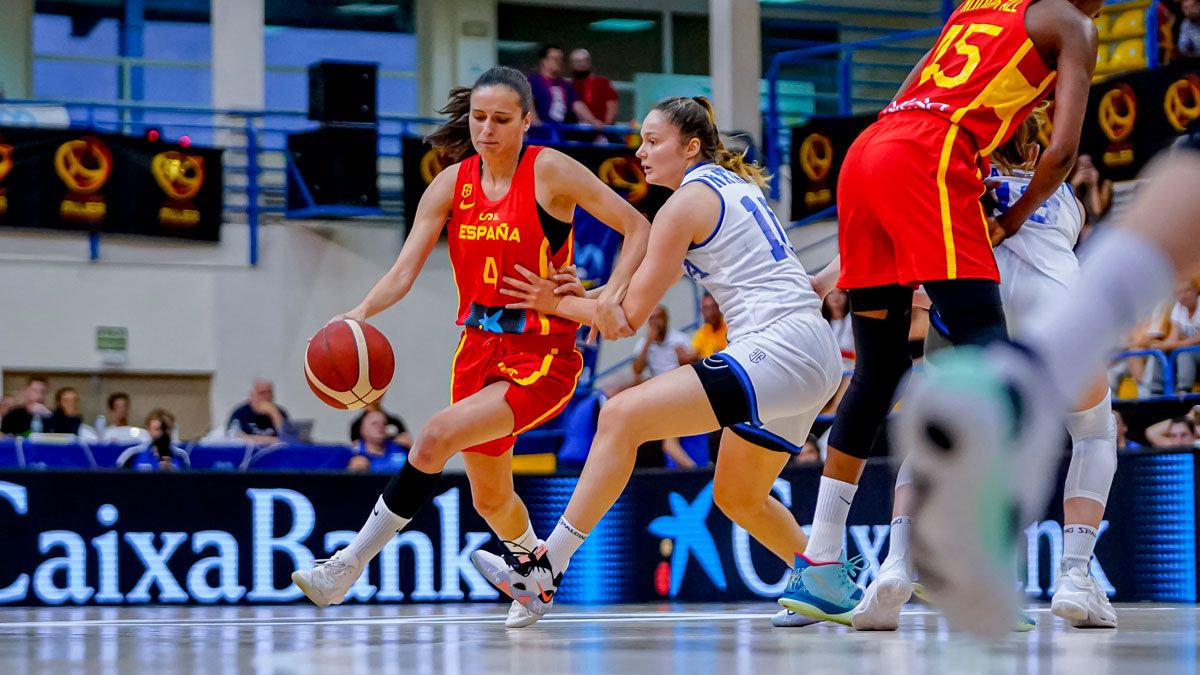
[(1123, 277), (379, 529), (524, 543), (562, 544), (1078, 542), (897, 541), (829, 520)]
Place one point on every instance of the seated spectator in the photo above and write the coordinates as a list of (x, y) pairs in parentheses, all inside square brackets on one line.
[(160, 454), (1134, 372), (7, 403), (710, 337), (376, 450), (66, 417), (116, 414), (1177, 432), (554, 99), (1123, 442), (661, 350), (1184, 332), (259, 420), (395, 426), (1189, 29), (834, 309), (1095, 192), (32, 415), (594, 91)]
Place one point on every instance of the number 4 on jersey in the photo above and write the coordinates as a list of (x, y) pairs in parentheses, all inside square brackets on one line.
[(781, 246)]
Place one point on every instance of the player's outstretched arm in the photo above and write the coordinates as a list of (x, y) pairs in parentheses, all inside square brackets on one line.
[(432, 212), (575, 185), (1059, 28)]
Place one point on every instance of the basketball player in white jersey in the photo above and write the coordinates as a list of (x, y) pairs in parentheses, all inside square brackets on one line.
[(1038, 261), (764, 389)]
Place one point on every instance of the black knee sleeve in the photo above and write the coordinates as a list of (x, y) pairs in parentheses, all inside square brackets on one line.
[(968, 311), (409, 490), (881, 359)]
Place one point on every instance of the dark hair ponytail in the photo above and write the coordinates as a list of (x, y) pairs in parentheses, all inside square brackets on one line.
[(453, 139), (694, 117)]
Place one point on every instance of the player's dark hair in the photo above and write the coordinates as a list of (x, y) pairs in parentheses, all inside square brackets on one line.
[(453, 139), (116, 396), (694, 117), (1016, 153), (545, 51)]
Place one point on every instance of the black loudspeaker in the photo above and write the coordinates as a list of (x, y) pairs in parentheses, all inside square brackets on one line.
[(343, 91), (339, 166)]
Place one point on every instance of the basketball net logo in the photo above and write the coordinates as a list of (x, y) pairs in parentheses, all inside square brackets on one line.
[(180, 176), (816, 156), (6, 165), (1181, 103), (1117, 114), (626, 177), (431, 165), (84, 165), (816, 161)]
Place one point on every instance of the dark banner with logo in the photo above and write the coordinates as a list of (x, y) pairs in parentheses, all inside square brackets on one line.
[(134, 538), (97, 182), (1129, 119), (615, 165)]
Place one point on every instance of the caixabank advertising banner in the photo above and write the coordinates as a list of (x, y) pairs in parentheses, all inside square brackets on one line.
[(96, 182), (105, 538)]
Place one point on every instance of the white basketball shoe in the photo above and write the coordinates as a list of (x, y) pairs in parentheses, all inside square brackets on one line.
[(884, 598), (328, 581), (1080, 601)]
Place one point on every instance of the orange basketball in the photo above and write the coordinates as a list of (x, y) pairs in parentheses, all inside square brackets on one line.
[(349, 364)]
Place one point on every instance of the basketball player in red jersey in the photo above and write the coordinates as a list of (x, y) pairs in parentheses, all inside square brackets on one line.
[(909, 214), (505, 205)]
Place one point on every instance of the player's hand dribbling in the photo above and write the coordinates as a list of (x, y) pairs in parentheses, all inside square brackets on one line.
[(355, 314)]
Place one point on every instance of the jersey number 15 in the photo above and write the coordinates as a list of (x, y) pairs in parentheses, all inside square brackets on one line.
[(769, 224)]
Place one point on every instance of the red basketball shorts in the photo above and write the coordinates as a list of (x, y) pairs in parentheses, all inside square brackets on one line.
[(542, 371), (908, 205)]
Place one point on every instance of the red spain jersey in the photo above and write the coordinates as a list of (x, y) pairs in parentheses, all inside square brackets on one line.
[(488, 239), (984, 74)]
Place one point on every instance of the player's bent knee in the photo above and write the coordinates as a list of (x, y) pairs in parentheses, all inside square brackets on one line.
[(618, 417), (735, 502)]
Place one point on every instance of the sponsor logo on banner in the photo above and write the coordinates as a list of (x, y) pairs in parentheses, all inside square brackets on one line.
[(625, 175), (96, 565), (84, 165), (180, 176), (431, 165), (816, 161), (1181, 102), (6, 165), (1117, 114)]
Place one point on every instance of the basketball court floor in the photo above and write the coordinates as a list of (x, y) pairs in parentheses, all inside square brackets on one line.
[(662, 639)]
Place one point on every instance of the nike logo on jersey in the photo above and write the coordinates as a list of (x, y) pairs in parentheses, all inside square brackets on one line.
[(465, 206)]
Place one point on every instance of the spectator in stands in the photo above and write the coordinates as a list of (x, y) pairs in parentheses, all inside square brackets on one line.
[(594, 91), (1131, 377), (710, 337), (1184, 332), (66, 417), (662, 349), (32, 415), (834, 309), (1095, 192), (1123, 441), (259, 420), (117, 413), (1189, 29), (376, 450), (7, 403), (554, 99), (1177, 432), (161, 454), (396, 430)]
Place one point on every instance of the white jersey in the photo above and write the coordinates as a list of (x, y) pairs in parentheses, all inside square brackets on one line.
[(1047, 239), (747, 263)]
